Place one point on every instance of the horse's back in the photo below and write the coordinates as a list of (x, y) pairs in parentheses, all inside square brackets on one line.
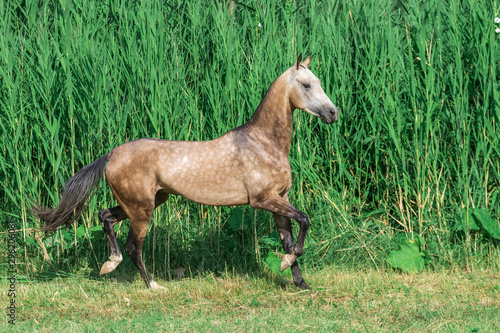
[(202, 171)]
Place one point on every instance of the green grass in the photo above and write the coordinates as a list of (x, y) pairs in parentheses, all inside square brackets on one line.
[(339, 301), (416, 147)]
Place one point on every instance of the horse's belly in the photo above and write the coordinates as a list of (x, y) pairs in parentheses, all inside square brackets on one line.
[(213, 192), (217, 198)]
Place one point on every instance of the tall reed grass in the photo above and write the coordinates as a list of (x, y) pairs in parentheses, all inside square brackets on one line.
[(416, 145)]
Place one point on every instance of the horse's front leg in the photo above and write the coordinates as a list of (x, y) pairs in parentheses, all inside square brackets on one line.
[(279, 205), (284, 226)]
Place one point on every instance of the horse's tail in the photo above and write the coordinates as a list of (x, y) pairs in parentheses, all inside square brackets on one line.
[(79, 189)]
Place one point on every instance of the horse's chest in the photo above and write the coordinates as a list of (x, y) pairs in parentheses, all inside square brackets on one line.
[(283, 172), (275, 175)]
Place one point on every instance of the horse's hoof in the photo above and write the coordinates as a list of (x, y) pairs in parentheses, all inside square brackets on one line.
[(108, 266), (302, 285), (156, 286), (288, 261)]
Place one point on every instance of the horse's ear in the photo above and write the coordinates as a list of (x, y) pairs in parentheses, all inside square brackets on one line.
[(299, 60), (307, 62)]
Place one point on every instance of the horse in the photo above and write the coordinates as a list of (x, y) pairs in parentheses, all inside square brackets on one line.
[(247, 165)]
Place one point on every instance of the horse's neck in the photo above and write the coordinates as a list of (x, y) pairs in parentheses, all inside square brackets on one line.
[(273, 118)]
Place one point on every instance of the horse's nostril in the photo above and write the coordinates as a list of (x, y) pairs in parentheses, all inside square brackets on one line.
[(334, 112)]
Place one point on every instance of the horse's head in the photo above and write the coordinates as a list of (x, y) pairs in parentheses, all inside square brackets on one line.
[(305, 92)]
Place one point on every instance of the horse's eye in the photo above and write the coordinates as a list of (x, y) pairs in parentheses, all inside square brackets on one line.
[(306, 85)]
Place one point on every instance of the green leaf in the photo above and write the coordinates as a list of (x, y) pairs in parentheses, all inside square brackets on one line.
[(96, 232), (274, 262), (482, 216), (236, 220), (416, 240), (466, 222), (50, 240), (273, 239), (80, 231), (66, 235), (409, 258)]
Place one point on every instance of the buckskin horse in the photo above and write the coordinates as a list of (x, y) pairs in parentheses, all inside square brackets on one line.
[(247, 165)]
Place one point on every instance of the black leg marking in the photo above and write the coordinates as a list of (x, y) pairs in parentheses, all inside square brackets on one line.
[(280, 205), (133, 247), (284, 226), (109, 217)]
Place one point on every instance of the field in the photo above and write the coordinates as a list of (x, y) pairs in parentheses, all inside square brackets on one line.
[(340, 301), (405, 186)]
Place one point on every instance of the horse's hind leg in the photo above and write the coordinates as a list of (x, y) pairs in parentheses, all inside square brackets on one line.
[(109, 217), (284, 226), (133, 246), (139, 221)]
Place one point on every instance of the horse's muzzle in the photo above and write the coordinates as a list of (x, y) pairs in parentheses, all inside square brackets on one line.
[(330, 115)]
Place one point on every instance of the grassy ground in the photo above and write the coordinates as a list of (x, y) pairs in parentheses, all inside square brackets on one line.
[(339, 300)]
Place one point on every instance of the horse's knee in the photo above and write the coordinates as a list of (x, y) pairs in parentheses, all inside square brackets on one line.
[(304, 222), (105, 216), (111, 216)]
